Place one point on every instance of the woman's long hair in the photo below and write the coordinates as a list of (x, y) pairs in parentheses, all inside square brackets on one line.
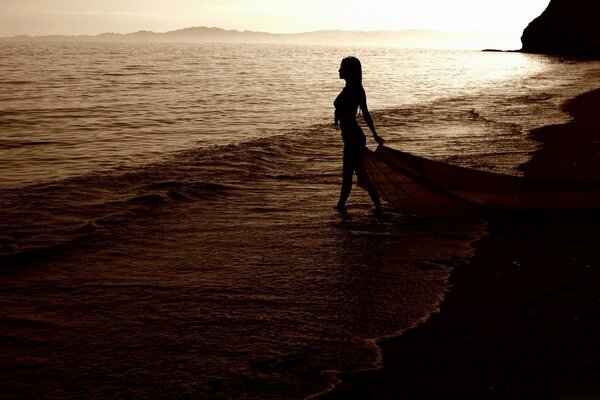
[(353, 70)]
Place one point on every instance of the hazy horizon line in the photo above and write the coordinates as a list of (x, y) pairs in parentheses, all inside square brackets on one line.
[(247, 31)]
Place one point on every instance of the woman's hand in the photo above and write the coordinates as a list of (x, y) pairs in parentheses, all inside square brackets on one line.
[(378, 139)]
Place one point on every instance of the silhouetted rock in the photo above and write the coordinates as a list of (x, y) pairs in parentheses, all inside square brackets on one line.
[(566, 27)]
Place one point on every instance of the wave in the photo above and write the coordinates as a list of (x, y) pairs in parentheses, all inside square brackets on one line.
[(466, 130), (35, 219), (42, 218), (39, 220), (16, 82), (7, 144)]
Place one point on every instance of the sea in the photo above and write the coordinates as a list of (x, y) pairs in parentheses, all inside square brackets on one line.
[(167, 227)]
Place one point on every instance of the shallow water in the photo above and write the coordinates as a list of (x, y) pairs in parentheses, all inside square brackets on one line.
[(212, 276), (180, 239)]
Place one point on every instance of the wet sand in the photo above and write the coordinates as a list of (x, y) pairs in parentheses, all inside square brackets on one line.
[(521, 320)]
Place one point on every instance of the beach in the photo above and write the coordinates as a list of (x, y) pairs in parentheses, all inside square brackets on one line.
[(167, 225), (520, 320)]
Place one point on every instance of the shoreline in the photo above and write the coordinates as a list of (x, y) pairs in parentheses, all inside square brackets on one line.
[(520, 320)]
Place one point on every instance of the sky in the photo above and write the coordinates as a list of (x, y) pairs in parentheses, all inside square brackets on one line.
[(72, 17)]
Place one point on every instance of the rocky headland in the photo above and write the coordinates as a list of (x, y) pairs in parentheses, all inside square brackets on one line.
[(566, 27)]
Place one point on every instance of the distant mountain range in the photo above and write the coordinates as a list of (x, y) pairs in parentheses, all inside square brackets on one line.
[(404, 38)]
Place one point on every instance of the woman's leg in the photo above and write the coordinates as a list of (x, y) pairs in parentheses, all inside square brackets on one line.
[(372, 192), (348, 168), (375, 199)]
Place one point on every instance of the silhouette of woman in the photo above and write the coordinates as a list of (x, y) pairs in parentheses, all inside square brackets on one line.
[(346, 107)]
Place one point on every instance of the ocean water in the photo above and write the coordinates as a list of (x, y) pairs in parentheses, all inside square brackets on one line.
[(166, 210)]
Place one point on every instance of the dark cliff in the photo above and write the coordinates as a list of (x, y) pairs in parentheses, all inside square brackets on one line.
[(566, 27)]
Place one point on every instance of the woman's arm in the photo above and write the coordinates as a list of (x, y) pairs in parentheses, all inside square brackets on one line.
[(367, 117)]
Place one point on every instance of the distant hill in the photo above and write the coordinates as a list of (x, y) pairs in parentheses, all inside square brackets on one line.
[(404, 38)]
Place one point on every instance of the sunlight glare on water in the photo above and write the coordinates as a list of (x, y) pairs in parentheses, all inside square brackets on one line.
[(87, 107)]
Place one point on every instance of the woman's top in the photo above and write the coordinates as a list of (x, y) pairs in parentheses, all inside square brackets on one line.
[(346, 107)]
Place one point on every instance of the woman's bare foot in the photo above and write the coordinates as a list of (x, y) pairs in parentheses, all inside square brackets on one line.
[(341, 208)]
